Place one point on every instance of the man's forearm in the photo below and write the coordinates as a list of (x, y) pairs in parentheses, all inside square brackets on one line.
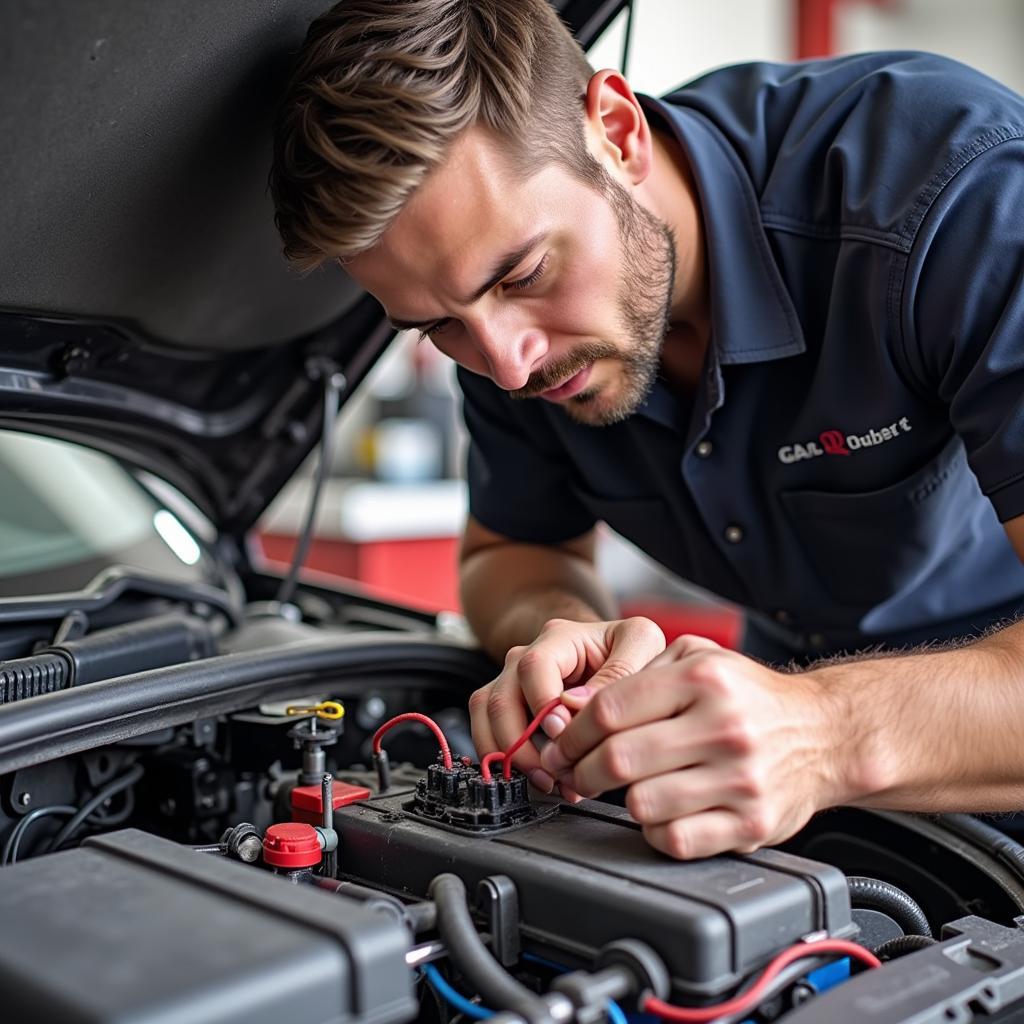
[(933, 731), (510, 590)]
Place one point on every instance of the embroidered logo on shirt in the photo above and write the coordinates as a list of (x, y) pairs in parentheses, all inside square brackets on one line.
[(835, 442)]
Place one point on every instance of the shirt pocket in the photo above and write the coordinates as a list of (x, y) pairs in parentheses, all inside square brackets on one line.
[(866, 547)]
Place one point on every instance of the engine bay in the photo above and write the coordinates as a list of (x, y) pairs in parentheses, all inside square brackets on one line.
[(301, 831)]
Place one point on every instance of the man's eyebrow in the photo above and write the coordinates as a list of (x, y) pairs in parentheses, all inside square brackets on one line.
[(506, 264), (503, 266)]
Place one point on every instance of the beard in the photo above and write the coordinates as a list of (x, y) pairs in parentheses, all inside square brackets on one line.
[(644, 305)]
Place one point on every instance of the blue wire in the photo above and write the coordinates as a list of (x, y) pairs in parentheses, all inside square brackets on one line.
[(474, 1012), (616, 1015), (453, 998)]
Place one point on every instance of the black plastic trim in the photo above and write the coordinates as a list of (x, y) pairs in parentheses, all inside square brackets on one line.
[(70, 721)]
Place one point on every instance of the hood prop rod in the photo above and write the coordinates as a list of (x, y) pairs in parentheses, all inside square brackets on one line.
[(318, 368)]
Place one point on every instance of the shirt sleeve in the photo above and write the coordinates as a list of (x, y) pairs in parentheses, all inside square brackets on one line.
[(519, 483), (963, 323)]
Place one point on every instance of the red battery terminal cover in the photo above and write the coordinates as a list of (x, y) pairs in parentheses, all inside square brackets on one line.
[(307, 806), (291, 845)]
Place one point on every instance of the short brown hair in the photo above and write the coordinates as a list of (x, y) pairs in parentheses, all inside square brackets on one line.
[(381, 90)]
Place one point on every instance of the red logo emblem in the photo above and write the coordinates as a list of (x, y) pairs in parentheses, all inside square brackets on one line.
[(833, 442)]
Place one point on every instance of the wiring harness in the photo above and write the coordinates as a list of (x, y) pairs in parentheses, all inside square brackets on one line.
[(503, 756)]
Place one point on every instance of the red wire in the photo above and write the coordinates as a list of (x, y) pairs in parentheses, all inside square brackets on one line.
[(485, 764), (415, 716), (506, 768), (753, 995)]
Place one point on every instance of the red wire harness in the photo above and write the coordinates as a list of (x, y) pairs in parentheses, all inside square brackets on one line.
[(485, 764), (488, 759), (506, 756), (415, 716), (749, 999)]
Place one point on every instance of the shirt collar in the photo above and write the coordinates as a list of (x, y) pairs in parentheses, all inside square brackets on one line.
[(753, 318), (662, 406)]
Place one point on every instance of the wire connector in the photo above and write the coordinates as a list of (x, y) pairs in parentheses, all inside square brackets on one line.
[(459, 796)]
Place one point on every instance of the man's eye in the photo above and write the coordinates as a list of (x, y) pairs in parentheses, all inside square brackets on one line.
[(532, 278), (434, 329)]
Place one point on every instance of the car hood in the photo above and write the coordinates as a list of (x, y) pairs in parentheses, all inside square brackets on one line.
[(145, 307)]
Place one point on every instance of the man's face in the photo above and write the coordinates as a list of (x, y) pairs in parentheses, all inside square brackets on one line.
[(547, 286)]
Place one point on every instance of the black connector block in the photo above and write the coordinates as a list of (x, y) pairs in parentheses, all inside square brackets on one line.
[(461, 798)]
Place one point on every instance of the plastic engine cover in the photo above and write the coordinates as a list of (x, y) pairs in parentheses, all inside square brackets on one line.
[(585, 877), (133, 928)]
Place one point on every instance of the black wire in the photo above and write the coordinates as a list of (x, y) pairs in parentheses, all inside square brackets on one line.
[(333, 382), (10, 850), (108, 820), (129, 778)]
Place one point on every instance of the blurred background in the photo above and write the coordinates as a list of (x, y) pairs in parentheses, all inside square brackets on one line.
[(395, 502)]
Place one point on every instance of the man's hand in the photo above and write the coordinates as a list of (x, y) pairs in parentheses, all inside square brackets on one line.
[(564, 654), (719, 752)]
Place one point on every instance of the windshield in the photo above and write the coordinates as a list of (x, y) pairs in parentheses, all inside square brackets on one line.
[(69, 512)]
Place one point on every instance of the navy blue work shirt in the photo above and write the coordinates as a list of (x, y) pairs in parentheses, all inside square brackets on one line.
[(858, 434)]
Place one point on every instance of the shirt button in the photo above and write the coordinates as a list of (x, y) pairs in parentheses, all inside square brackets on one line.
[(704, 449), (783, 618), (817, 640), (733, 533)]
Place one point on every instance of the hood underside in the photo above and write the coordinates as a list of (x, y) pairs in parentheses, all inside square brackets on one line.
[(145, 308)]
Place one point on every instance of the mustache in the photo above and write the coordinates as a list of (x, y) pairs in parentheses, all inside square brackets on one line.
[(558, 371)]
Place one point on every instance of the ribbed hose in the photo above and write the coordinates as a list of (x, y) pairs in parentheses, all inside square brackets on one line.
[(22, 678), (469, 954), (902, 945), (1008, 851), (875, 894)]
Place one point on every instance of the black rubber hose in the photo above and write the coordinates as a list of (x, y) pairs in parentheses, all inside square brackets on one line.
[(902, 945), (114, 710), (1006, 850), (875, 894), (467, 951)]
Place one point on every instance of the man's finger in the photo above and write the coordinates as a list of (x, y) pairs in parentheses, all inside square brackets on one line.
[(632, 645), (542, 673), (679, 794), (683, 646), (699, 835), (479, 723), (648, 696), (506, 714), (626, 757)]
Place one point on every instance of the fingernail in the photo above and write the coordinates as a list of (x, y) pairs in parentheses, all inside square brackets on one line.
[(569, 795), (553, 726), (541, 780), (578, 691)]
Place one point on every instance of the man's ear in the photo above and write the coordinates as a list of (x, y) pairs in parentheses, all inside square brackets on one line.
[(618, 135)]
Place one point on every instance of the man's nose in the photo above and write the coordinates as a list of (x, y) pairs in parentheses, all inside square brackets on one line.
[(511, 353)]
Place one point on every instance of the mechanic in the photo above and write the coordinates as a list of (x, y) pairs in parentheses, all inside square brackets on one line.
[(771, 329)]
